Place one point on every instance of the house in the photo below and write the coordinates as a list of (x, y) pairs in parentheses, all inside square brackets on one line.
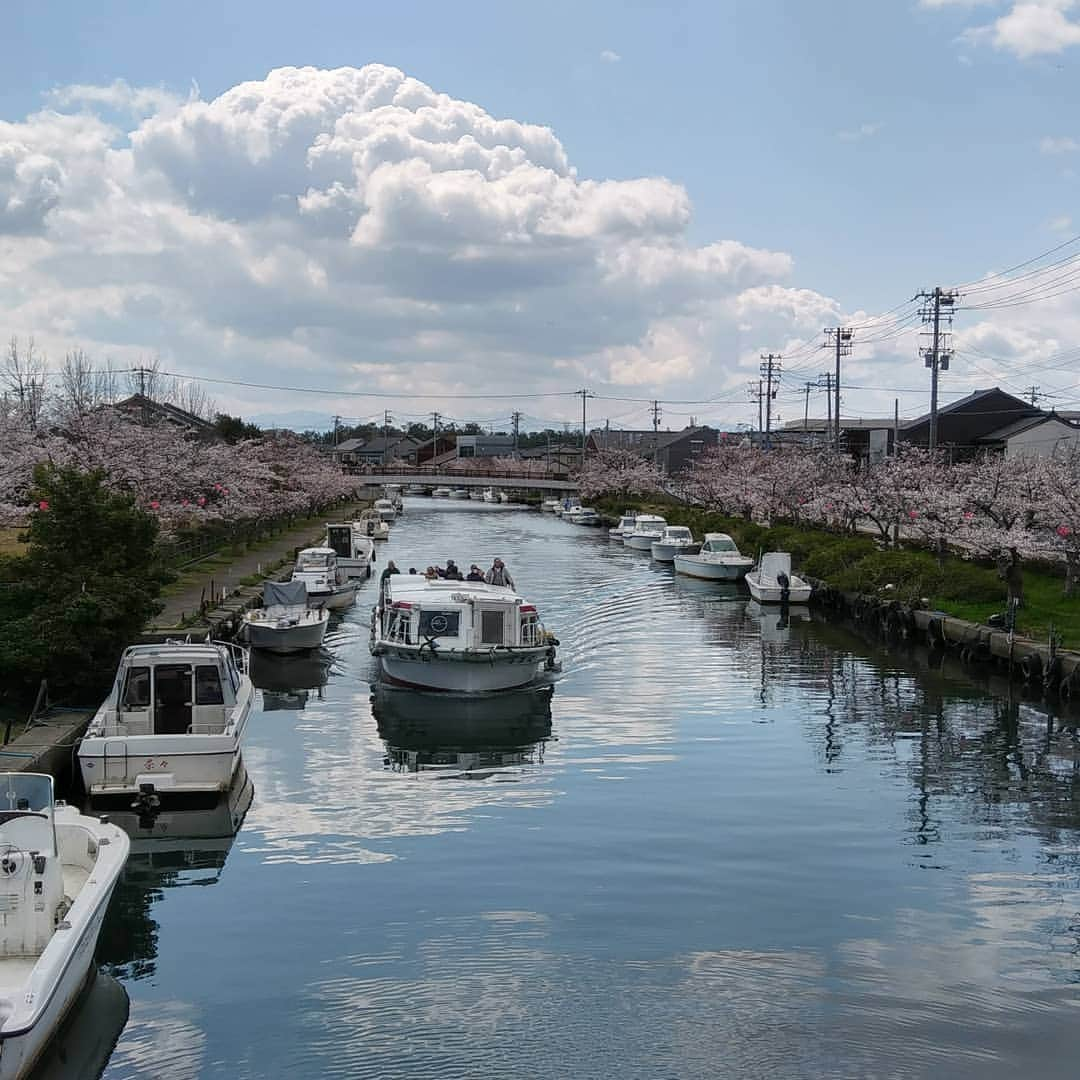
[(963, 424), (868, 438), (376, 451), (485, 445), (145, 410), (556, 457), (345, 452), (671, 450), (1034, 436)]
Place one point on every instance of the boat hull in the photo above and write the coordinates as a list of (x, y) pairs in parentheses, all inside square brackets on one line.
[(342, 597), (459, 676), (355, 569), (773, 594), (289, 639), (665, 552), (692, 566), (640, 543)]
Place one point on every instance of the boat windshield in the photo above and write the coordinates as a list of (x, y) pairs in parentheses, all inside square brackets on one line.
[(25, 791), (678, 534), (313, 561), (721, 545)]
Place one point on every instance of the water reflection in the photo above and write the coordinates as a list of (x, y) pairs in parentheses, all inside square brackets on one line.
[(82, 1046), (287, 682), (170, 849), (460, 737)]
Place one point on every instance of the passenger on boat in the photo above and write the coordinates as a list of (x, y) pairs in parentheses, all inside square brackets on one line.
[(499, 575), (412, 569), (431, 574), (451, 573), (391, 568), (475, 573)]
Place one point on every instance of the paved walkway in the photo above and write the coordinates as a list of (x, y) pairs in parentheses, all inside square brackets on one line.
[(185, 603)]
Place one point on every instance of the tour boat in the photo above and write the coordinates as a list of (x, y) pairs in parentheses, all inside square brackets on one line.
[(625, 526), (674, 540), (385, 509), (355, 549), (647, 528), (459, 493), (772, 582), (551, 505), (59, 869), (718, 560), (441, 493), (172, 722), (326, 583), (490, 495), (285, 623), (460, 636)]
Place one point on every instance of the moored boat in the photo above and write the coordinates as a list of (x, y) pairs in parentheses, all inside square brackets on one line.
[(440, 493), (354, 548), (173, 721), (583, 515), (465, 637), (477, 495), (415, 489), (625, 526), (459, 493), (59, 870), (772, 581), (647, 528), (551, 505), (674, 540), (718, 560), (490, 495), (369, 524), (385, 509), (326, 583), (285, 623), (504, 497)]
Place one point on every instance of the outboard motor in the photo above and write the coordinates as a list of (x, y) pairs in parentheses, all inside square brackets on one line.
[(785, 587)]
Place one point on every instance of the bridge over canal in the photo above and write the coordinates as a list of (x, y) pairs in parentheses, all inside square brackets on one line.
[(376, 476)]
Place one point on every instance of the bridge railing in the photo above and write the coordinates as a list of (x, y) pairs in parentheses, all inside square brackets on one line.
[(442, 472)]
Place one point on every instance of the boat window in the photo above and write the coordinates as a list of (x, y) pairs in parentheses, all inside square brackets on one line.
[(439, 623), (136, 689), (208, 686), (25, 792), (491, 628), (722, 545)]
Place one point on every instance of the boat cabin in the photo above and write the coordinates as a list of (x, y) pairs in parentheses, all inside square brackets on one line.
[(720, 543), (626, 522), (170, 689), (456, 615), (676, 534), (318, 569), (648, 524)]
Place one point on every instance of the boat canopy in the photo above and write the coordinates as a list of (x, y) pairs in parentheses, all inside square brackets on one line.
[(284, 594), (677, 532), (774, 563), (719, 542), (316, 558)]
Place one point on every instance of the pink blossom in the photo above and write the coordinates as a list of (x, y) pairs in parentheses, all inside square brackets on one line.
[(1063, 531), (43, 505), (154, 504)]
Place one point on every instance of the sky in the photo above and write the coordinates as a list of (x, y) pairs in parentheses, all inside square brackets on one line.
[(478, 207)]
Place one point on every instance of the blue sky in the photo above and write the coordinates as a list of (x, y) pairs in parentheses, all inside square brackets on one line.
[(874, 143)]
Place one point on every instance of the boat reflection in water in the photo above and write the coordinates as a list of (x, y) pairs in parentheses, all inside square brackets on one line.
[(287, 682), (170, 848), (466, 738), (83, 1045)]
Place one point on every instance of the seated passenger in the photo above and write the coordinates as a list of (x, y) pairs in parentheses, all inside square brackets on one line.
[(452, 573), (475, 573)]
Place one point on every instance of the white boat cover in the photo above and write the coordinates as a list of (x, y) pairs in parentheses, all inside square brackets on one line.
[(285, 594)]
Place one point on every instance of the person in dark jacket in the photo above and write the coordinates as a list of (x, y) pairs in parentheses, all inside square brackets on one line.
[(452, 573), (475, 573), (391, 568)]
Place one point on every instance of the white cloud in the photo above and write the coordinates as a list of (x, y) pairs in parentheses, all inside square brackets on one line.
[(118, 95), (863, 131), (1061, 144), (1031, 28), (609, 56), (1063, 224)]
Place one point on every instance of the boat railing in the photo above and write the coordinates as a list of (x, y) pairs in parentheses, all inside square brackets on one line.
[(239, 654)]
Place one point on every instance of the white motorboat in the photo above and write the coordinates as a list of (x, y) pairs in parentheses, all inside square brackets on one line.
[(355, 550), (674, 540), (172, 722), (772, 582), (625, 526), (583, 515), (476, 495), (393, 493), (285, 623), (718, 560), (441, 493), (490, 495), (59, 870), (327, 584), (567, 506), (459, 493), (647, 528), (385, 509), (551, 505), (415, 489), (372, 526), (503, 497), (465, 637)]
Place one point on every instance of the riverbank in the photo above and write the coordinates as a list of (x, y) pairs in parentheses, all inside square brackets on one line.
[(962, 588)]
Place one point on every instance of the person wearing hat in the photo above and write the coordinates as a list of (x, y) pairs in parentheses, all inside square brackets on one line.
[(452, 573), (499, 575), (475, 573)]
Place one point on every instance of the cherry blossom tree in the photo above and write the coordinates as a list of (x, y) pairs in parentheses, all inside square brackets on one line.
[(619, 472)]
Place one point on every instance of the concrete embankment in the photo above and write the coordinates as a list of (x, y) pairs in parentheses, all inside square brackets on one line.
[(1040, 666), (45, 743)]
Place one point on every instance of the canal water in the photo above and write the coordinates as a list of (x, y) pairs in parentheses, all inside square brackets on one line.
[(723, 844)]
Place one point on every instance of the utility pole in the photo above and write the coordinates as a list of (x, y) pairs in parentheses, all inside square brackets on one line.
[(585, 395), (1034, 392), (807, 387), (385, 433), (337, 422), (755, 391), (770, 368), (839, 339), (657, 412), (434, 435), (937, 313), (825, 382), (896, 427), (516, 418)]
